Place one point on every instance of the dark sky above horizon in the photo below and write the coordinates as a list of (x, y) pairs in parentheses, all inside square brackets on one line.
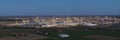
[(59, 7)]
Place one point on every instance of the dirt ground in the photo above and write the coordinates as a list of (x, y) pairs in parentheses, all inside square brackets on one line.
[(29, 37), (102, 37)]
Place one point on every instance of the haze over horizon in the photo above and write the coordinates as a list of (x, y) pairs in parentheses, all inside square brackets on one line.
[(59, 7)]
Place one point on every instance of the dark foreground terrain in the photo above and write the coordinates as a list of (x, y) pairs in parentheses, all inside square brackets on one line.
[(75, 34)]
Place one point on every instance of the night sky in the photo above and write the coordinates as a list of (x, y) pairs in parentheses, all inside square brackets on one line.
[(59, 7)]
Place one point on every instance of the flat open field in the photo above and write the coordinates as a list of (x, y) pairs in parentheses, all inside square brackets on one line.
[(75, 34), (10, 34), (29, 37), (85, 35), (102, 37)]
